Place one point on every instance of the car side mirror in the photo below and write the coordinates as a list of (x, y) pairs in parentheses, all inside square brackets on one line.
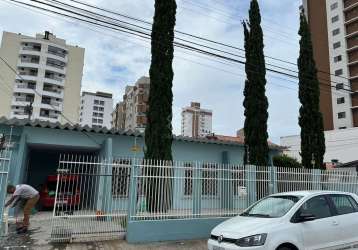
[(306, 217)]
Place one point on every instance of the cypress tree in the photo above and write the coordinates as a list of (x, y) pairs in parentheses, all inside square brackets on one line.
[(310, 119), (255, 102), (158, 132)]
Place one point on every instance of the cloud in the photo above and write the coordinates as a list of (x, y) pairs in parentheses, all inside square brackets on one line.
[(114, 60)]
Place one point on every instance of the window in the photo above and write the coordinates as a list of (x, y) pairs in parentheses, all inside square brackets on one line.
[(335, 19), (94, 120), (100, 121), (341, 115), (339, 86), (336, 45), (238, 180), (344, 204), (338, 72), (101, 103), (340, 100), (188, 181), (317, 206), (337, 58), (100, 115), (335, 32), (342, 127), (334, 6), (100, 108), (96, 102), (120, 177), (209, 182), (95, 108)]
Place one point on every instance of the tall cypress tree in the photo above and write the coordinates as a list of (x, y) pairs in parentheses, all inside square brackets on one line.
[(310, 120), (255, 102), (158, 132)]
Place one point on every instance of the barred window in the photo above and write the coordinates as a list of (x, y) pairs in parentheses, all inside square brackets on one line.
[(120, 177), (188, 180), (209, 182), (238, 179)]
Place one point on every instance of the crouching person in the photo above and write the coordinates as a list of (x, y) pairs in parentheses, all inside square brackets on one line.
[(29, 195)]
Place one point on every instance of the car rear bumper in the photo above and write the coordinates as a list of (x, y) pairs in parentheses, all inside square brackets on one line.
[(214, 245)]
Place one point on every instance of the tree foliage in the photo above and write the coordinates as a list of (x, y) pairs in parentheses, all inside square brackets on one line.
[(285, 161), (310, 119), (255, 102)]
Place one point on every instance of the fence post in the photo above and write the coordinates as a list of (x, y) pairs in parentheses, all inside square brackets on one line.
[(316, 179), (132, 195), (226, 178), (273, 180), (251, 184), (197, 190)]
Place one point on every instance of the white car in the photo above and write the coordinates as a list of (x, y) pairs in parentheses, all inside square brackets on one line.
[(290, 221)]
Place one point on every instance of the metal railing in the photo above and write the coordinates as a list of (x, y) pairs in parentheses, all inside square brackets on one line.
[(95, 197), (31, 48), (55, 65), (56, 53), (57, 78), (30, 60)]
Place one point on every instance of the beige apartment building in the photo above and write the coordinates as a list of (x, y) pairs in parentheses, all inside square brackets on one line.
[(49, 75), (196, 121), (334, 28), (130, 113)]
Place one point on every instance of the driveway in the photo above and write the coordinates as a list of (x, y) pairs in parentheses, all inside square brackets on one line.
[(39, 233)]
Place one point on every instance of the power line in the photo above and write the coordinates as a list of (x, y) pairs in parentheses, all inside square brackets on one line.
[(147, 36), (191, 35)]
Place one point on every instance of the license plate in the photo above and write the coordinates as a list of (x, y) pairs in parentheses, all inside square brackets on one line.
[(218, 248)]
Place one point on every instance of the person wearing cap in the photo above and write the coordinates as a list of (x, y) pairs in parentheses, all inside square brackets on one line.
[(29, 195)]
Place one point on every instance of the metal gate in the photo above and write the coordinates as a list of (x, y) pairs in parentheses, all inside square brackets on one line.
[(90, 198), (5, 157)]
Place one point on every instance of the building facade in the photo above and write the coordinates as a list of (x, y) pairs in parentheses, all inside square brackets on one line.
[(196, 122), (96, 109), (48, 76), (341, 145), (130, 114), (334, 28)]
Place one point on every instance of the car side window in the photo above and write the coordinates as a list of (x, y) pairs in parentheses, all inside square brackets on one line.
[(317, 206), (344, 204)]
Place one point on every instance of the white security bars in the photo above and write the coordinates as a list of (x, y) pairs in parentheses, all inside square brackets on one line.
[(96, 197), (5, 157)]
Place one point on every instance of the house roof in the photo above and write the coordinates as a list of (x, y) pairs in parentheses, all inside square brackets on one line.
[(216, 139)]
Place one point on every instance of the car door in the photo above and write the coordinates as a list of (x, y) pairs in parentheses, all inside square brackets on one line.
[(347, 217), (322, 232)]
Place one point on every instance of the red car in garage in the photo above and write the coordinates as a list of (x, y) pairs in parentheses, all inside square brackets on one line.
[(68, 192)]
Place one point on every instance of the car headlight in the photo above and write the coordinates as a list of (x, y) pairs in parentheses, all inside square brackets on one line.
[(252, 241)]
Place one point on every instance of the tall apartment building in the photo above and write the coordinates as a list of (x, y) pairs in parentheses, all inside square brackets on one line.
[(96, 109), (196, 122), (49, 74), (334, 28), (130, 114)]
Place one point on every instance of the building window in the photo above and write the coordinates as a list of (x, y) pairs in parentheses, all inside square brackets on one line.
[(209, 182), (339, 86), (96, 102), (340, 100), (100, 121), (342, 127), (335, 19), (335, 32), (95, 108), (101, 103), (337, 58), (334, 6), (338, 72), (336, 45), (80, 119), (120, 177), (94, 120), (188, 181), (100, 108), (341, 115)]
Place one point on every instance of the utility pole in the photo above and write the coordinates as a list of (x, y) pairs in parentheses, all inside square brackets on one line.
[(29, 109)]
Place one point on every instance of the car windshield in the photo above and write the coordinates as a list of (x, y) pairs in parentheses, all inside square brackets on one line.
[(272, 206)]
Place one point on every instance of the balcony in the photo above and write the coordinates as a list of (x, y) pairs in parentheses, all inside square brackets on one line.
[(56, 65), (349, 4), (28, 73), (54, 76), (34, 47), (53, 91)]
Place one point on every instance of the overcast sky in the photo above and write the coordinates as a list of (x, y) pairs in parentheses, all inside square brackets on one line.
[(114, 60)]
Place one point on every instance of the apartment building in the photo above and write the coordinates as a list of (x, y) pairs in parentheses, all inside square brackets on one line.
[(96, 109), (130, 114), (196, 122), (49, 74), (334, 28)]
